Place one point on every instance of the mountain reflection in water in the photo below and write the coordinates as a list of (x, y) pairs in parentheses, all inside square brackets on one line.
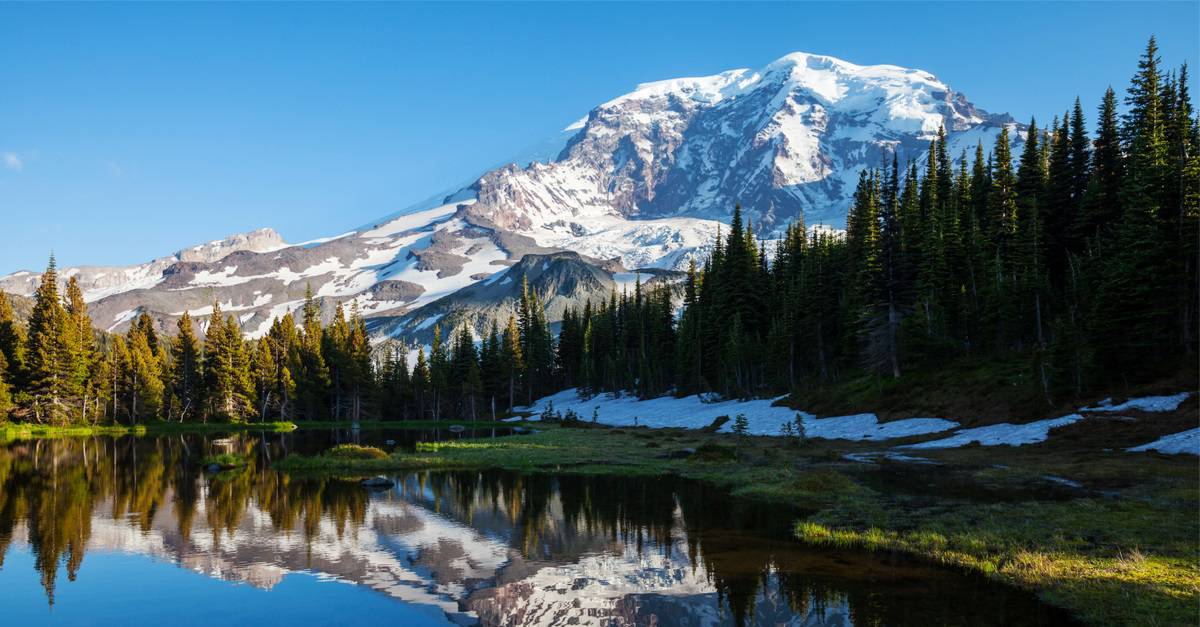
[(494, 548)]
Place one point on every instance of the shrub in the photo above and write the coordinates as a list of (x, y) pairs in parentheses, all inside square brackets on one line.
[(354, 451), (741, 426), (711, 452)]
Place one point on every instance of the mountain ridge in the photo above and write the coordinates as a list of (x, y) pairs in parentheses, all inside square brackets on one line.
[(644, 181)]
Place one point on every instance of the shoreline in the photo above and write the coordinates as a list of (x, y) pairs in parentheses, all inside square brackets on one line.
[(1107, 556), (10, 430)]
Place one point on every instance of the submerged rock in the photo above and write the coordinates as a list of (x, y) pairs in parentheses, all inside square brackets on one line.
[(377, 482)]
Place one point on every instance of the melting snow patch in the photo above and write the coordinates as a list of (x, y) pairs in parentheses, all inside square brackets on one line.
[(1063, 481), (891, 456), (123, 317), (1174, 444), (762, 416), (428, 322), (1146, 403), (1001, 434), (868, 427)]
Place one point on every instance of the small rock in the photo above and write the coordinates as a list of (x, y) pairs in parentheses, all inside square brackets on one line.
[(377, 482), (457, 428), (683, 453)]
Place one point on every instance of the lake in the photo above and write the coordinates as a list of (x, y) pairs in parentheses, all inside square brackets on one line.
[(104, 530)]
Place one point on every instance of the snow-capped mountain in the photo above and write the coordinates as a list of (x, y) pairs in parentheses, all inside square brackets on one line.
[(643, 182), (788, 138)]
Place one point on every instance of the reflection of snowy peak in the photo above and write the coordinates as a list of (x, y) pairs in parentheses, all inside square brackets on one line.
[(643, 182)]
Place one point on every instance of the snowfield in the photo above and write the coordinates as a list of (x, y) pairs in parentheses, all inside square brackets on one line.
[(1175, 444), (765, 418), (1002, 434), (762, 416), (1146, 403)]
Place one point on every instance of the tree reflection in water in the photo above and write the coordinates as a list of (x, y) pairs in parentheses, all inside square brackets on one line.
[(497, 547)]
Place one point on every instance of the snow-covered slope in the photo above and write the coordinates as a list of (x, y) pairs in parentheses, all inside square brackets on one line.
[(643, 182), (100, 281), (788, 138)]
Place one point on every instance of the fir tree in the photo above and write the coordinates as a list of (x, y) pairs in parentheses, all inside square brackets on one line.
[(185, 379), (46, 367)]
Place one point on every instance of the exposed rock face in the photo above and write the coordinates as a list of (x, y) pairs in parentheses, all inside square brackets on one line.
[(644, 181), (561, 280)]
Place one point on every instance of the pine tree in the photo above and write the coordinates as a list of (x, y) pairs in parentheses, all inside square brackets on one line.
[(12, 342), (185, 379), (229, 387), (5, 388), (46, 372), (142, 375), (513, 360), (491, 365), (1133, 320), (263, 374), (420, 382), (1028, 257), (1102, 200), (464, 371), (80, 358), (311, 372), (439, 372)]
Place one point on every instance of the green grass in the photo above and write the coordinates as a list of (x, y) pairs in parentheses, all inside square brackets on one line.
[(355, 451), (1123, 551)]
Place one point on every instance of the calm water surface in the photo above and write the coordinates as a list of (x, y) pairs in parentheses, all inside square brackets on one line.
[(108, 530)]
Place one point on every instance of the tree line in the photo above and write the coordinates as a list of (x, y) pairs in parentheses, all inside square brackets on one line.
[(1081, 259), (59, 370)]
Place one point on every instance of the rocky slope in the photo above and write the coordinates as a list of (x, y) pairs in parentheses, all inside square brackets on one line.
[(643, 182), (561, 279)]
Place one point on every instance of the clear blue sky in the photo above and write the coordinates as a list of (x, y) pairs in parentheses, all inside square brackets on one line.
[(128, 131)]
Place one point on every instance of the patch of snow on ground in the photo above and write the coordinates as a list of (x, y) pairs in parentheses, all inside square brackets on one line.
[(428, 322), (1145, 403), (892, 456), (868, 427), (123, 317), (1174, 444), (763, 418), (1063, 481), (226, 277), (1001, 434)]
